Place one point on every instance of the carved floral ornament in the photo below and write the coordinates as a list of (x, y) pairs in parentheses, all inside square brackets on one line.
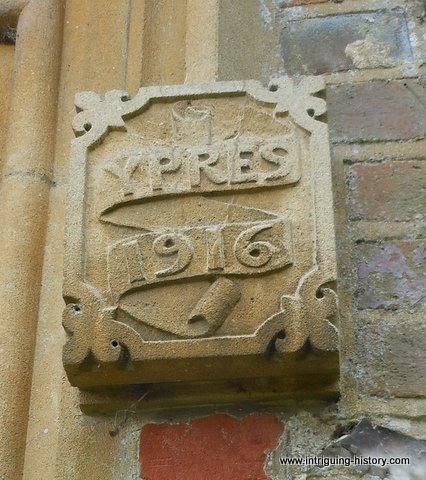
[(200, 238)]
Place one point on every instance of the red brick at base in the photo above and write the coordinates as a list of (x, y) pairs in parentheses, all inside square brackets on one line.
[(217, 447)]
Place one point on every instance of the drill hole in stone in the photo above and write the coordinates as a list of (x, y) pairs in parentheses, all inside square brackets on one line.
[(77, 308), (280, 151), (169, 243), (255, 252), (281, 335), (310, 112), (164, 161), (87, 127), (247, 155), (114, 344), (273, 87)]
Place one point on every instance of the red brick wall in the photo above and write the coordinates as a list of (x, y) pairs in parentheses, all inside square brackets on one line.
[(217, 447)]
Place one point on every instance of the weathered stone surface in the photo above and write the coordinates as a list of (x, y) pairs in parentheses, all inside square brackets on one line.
[(343, 42), (305, 435), (218, 447), (305, 2), (6, 74), (200, 234), (29, 76), (387, 190), (381, 444), (377, 110), (391, 358), (245, 27), (391, 275), (7, 35), (341, 447)]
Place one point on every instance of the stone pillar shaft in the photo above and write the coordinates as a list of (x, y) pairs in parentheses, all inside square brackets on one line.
[(24, 196)]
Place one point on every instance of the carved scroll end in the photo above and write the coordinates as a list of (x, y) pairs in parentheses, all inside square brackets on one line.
[(115, 342), (303, 100), (323, 318), (97, 115), (94, 337), (78, 318), (292, 337), (309, 319)]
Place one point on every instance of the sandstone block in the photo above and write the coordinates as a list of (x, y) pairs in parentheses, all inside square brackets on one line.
[(344, 42), (387, 190), (377, 110), (391, 275), (200, 234), (391, 358)]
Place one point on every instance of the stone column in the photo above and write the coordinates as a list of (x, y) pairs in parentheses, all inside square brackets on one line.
[(202, 32), (24, 196)]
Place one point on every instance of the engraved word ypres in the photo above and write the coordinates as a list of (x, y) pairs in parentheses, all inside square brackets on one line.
[(217, 167)]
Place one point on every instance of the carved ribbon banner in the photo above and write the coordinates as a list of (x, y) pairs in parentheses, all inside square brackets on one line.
[(147, 174), (224, 249)]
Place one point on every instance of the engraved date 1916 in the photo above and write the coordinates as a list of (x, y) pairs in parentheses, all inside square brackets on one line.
[(234, 248)]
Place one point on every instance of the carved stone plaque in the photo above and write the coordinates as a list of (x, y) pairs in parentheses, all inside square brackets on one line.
[(200, 237)]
